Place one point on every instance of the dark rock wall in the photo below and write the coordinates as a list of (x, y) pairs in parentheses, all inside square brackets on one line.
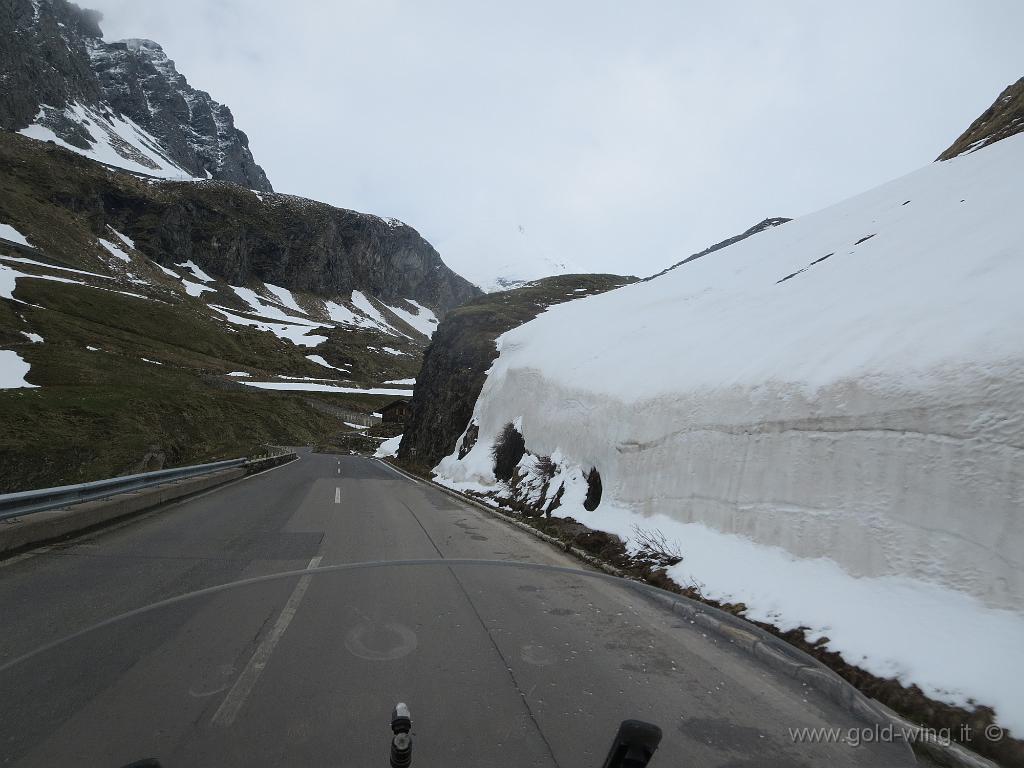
[(230, 232), (455, 363)]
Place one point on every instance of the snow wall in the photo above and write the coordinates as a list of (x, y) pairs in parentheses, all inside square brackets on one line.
[(849, 385)]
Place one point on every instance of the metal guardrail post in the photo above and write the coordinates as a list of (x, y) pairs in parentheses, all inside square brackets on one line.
[(26, 502)]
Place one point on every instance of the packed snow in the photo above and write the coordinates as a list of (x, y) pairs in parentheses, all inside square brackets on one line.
[(405, 382), (7, 232), (35, 338), (13, 370), (116, 140), (389, 447), (827, 417), (423, 320), (240, 374)]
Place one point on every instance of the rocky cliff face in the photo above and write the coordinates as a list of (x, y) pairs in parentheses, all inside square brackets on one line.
[(232, 233), (62, 81), (456, 362), (1003, 119)]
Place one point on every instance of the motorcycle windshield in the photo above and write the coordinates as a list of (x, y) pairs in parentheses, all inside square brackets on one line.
[(499, 663)]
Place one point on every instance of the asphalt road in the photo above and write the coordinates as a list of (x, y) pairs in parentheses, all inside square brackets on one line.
[(501, 666)]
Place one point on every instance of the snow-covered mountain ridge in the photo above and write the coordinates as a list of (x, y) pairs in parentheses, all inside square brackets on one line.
[(123, 103), (827, 416)]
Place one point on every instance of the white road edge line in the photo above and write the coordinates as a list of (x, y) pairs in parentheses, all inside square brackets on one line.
[(233, 702), (400, 474), (337, 495)]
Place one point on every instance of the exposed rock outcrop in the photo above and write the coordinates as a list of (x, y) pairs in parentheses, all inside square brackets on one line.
[(456, 362), (59, 74), (1003, 119), (230, 232)]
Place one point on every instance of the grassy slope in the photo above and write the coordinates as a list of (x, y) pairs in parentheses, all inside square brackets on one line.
[(98, 414)]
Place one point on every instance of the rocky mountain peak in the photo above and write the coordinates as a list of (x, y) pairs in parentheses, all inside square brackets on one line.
[(123, 103)]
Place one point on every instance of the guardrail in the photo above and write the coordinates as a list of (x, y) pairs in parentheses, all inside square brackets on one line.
[(26, 502)]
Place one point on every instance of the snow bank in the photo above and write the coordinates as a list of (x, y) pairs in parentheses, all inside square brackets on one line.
[(13, 371), (389, 447), (839, 395)]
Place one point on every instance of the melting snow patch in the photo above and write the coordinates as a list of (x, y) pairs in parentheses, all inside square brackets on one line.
[(240, 374), (298, 333), (35, 338), (392, 351), (43, 264), (9, 279), (115, 140), (320, 361), (192, 267), (7, 232), (297, 386), (195, 289), (147, 360), (115, 251), (408, 382), (364, 305), (423, 320), (168, 272), (260, 307), (285, 297), (13, 371), (123, 238)]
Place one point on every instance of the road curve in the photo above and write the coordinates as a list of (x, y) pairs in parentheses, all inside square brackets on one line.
[(501, 666)]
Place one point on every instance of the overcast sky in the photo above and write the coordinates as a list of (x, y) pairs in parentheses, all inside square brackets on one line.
[(612, 136)]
